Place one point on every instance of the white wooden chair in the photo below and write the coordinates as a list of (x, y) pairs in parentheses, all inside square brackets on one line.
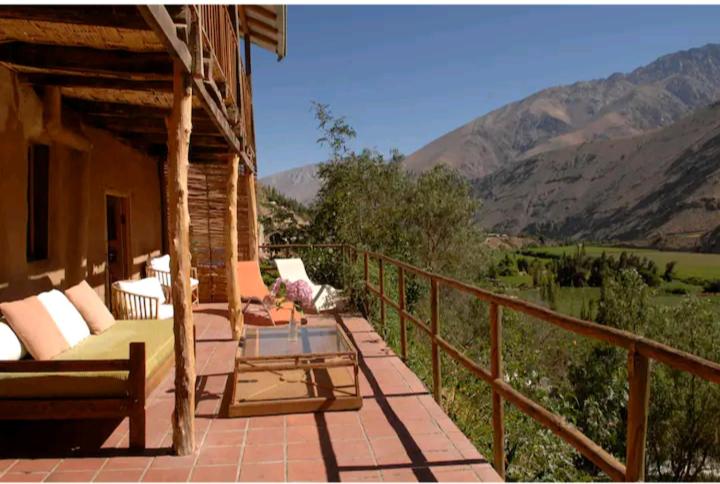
[(159, 267), (139, 299)]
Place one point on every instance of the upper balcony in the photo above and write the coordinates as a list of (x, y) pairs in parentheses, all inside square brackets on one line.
[(113, 67)]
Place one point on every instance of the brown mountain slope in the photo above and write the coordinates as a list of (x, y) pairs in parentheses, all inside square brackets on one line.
[(622, 105), (661, 187)]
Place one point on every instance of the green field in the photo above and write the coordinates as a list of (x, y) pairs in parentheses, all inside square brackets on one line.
[(689, 264)]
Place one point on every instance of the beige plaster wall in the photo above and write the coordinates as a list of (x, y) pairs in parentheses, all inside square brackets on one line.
[(79, 183)]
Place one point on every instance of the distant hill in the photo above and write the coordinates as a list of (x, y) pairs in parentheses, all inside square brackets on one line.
[(298, 183), (632, 157), (621, 105), (660, 188)]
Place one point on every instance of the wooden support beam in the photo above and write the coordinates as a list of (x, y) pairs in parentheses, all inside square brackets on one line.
[(253, 241), (71, 80), (496, 371), (118, 16), (179, 129), (87, 60), (401, 306), (381, 286), (231, 247), (638, 404), (434, 332)]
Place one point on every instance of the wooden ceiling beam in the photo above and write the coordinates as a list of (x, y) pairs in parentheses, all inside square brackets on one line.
[(261, 11), (198, 142), (118, 16), (148, 125), (101, 108), (69, 80), (255, 24), (254, 34), (103, 62)]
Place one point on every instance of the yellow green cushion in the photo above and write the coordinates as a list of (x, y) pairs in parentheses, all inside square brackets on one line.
[(111, 344)]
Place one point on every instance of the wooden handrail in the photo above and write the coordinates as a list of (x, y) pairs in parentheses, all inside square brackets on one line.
[(221, 40), (640, 351)]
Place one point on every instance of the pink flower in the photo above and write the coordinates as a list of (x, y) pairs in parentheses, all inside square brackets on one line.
[(299, 292)]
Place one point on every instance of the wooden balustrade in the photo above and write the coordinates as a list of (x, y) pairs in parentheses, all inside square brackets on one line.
[(218, 33), (640, 353)]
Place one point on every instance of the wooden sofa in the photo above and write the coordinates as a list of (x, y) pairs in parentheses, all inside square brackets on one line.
[(105, 376)]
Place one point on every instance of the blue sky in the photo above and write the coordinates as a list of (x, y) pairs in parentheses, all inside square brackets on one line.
[(404, 75)]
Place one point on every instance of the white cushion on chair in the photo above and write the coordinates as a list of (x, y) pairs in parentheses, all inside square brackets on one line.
[(150, 287), (165, 311), (67, 318), (161, 263), (11, 348), (194, 282)]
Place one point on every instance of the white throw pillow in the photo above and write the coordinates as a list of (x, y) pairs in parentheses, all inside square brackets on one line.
[(161, 263), (150, 287), (11, 348), (67, 318)]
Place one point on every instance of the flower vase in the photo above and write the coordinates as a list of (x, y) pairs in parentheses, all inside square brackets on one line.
[(293, 326)]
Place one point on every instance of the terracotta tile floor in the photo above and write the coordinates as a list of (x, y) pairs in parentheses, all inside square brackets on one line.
[(400, 433)]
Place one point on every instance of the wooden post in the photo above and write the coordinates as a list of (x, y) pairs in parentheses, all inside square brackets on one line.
[(497, 402), (136, 391), (434, 321), (366, 269), (231, 248), (381, 273), (401, 305), (179, 128), (638, 403), (249, 180)]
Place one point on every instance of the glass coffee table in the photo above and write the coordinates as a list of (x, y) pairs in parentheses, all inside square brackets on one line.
[(279, 371)]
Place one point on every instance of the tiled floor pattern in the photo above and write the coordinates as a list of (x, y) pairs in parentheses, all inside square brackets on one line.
[(400, 433)]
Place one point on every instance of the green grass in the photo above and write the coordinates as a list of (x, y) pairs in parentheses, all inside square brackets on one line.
[(689, 264), (570, 299)]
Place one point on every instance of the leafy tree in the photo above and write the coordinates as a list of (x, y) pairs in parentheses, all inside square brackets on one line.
[(684, 419)]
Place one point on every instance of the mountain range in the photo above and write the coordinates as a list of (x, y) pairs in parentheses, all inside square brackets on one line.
[(587, 146)]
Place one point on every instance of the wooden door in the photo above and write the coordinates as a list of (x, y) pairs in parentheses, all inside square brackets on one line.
[(118, 238)]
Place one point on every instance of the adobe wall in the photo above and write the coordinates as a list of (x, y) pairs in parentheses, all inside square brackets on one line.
[(79, 183)]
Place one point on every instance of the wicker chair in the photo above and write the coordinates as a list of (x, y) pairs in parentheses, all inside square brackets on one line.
[(126, 305), (164, 277)]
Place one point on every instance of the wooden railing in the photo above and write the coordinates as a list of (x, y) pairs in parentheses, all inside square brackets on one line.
[(218, 33), (640, 351)]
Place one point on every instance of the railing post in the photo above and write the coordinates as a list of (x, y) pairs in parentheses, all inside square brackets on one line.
[(638, 402), (498, 415), (366, 269), (434, 317), (381, 272), (401, 305)]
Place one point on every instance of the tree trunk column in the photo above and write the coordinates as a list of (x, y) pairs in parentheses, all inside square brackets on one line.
[(231, 247), (249, 180), (179, 128)]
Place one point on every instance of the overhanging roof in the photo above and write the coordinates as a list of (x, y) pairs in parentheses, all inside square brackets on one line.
[(267, 26)]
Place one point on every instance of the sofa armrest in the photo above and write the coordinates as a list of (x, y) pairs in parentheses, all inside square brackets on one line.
[(135, 364), (126, 305)]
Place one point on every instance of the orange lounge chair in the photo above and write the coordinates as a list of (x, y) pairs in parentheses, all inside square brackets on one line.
[(253, 291)]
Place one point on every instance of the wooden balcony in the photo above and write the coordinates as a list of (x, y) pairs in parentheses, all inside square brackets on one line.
[(113, 67)]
